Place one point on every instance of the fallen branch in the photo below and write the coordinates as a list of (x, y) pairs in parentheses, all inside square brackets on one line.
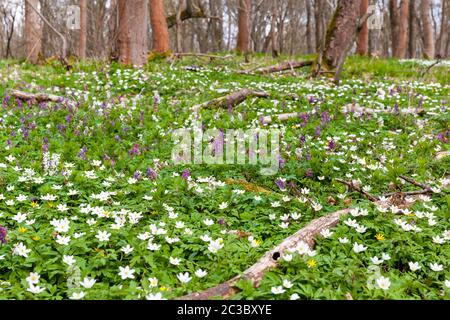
[(231, 100), (278, 68), (352, 186), (356, 108), (416, 183), (255, 273), (408, 193), (279, 117), (38, 97), (201, 55)]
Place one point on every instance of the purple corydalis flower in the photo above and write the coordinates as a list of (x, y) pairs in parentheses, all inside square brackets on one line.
[(135, 150), (3, 234), (221, 221), (186, 174), (317, 131), (82, 153), (151, 174), (281, 184), (117, 138), (309, 173), (302, 139), (331, 145), (325, 117), (137, 175)]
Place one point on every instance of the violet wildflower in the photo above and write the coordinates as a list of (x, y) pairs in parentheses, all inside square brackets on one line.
[(135, 150), (3, 234), (151, 174), (137, 175), (281, 184), (331, 145), (186, 174), (317, 131), (82, 153), (309, 173)]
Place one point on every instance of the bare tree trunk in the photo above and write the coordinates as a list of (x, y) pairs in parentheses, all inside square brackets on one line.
[(399, 25), (440, 43), (216, 9), (309, 27), (178, 26), (318, 16), (340, 36), (243, 37), (363, 36), (133, 32), (159, 27), (412, 47), (33, 31), (428, 34), (273, 29), (83, 29)]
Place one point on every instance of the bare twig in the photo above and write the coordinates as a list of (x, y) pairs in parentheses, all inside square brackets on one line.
[(351, 185)]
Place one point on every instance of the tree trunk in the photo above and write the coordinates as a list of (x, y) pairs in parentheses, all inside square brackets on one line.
[(243, 37), (216, 9), (399, 26), (340, 36), (33, 31), (318, 16), (412, 47), (83, 29), (159, 27), (309, 27), (363, 36), (132, 40), (440, 43), (428, 34)]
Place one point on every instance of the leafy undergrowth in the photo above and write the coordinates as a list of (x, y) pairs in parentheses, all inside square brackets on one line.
[(91, 205)]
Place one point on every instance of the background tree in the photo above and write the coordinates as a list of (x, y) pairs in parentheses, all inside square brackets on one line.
[(83, 29), (399, 27), (132, 39), (243, 37), (32, 31), (427, 29), (363, 36), (160, 30)]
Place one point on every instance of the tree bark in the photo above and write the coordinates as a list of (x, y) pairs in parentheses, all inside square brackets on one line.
[(399, 26), (243, 37), (443, 33), (159, 27), (340, 36), (309, 27), (363, 36), (83, 29), (33, 31), (428, 33), (216, 25), (256, 272), (318, 16), (412, 46), (132, 40)]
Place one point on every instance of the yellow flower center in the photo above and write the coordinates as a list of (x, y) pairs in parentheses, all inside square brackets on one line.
[(311, 263), (379, 237)]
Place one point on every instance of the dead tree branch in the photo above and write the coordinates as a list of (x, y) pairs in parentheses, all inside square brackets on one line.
[(255, 273), (231, 100), (279, 68)]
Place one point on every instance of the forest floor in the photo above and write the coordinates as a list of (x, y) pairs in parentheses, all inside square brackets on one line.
[(92, 206)]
